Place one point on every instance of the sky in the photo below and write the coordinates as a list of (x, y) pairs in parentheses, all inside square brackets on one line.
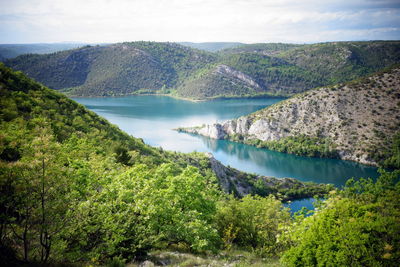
[(247, 21)]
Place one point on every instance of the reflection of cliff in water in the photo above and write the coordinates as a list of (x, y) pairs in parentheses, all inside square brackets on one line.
[(278, 164)]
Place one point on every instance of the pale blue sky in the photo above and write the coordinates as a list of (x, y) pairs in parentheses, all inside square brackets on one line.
[(248, 21)]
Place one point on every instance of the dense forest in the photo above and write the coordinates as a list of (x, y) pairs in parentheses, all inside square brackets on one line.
[(170, 68), (78, 191)]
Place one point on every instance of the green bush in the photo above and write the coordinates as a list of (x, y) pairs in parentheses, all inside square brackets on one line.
[(252, 223)]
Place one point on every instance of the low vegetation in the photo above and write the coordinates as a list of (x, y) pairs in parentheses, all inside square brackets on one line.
[(390, 157), (301, 145)]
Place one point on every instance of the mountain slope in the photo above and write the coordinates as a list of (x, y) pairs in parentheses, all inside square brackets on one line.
[(344, 61), (248, 75), (117, 69), (356, 121), (275, 75), (287, 69), (216, 81), (149, 67), (268, 49)]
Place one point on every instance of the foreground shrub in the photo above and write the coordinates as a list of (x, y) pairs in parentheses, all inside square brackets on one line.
[(358, 227), (252, 222)]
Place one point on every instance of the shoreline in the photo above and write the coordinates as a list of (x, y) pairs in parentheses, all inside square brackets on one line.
[(191, 131), (259, 96)]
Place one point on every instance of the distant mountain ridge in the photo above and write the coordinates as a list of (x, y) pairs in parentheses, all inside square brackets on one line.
[(212, 46), (358, 121), (170, 68), (117, 69), (13, 50)]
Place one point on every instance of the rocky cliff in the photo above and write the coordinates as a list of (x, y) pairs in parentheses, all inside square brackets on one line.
[(359, 119)]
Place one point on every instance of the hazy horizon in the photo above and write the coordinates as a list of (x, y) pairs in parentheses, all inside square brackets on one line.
[(198, 21), (179, 42)]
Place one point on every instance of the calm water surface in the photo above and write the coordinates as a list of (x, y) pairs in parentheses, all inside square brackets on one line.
[(153, 118)]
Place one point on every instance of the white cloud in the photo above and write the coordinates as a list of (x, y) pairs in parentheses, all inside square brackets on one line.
[(197, 20)]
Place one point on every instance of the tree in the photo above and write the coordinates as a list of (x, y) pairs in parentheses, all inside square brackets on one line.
[(38, 196)]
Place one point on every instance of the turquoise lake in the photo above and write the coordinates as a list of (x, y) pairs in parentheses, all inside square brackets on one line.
[(153, 118)]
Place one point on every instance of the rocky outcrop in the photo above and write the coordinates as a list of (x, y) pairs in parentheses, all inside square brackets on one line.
[(225, 70), (360, 118), (219, 80)]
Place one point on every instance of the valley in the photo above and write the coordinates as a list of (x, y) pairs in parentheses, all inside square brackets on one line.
[(201, 133), (56, 152), (77, 189)]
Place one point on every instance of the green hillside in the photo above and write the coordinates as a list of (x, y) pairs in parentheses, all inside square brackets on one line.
[(64, 169), (255, 69), (118, 69), (275, 76), (261, 48), (75, 190), (218, 81), (286, 69), (344, 61)]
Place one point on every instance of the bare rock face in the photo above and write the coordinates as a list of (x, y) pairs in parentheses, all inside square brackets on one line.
[(266, 130), (227, 178), (240, 126), (359, 118), (230, 127), (215, 131), (226, 70)]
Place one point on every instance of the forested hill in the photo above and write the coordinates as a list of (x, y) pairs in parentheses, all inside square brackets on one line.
[(287, 69), (246, 70), (117, 69), (77, 191), (357, 121), (261, 48)]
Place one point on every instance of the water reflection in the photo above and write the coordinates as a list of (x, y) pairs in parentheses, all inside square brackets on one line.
[(272, 163), (153, 118)]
